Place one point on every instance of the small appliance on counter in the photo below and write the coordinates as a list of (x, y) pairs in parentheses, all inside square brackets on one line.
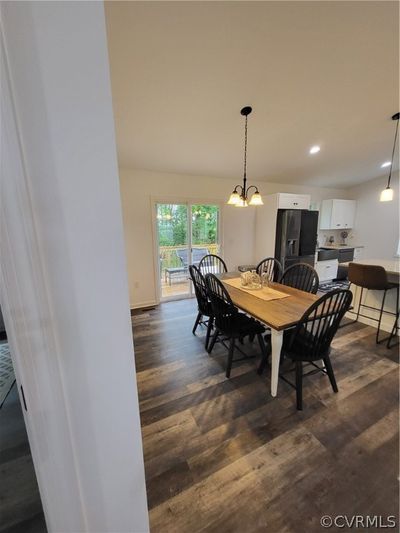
[(344, 235)]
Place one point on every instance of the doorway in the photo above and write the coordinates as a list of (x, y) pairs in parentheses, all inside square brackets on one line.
[(186, 232)]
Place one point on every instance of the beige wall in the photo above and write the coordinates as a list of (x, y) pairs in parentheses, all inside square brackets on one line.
[(377, 229), (377, 223), (139, 188)]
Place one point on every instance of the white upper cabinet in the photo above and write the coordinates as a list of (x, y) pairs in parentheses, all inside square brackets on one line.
[(293, 201), (337, 214)]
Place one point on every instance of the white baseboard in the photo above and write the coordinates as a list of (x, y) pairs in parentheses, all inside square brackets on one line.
[(141, 305)]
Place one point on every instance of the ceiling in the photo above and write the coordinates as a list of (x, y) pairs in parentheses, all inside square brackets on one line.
[(322, 73)]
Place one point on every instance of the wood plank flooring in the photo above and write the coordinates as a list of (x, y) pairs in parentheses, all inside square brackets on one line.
[(20, 505), (224, 456)]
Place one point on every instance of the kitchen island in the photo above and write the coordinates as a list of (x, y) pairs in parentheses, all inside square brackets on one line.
[(374, 298)]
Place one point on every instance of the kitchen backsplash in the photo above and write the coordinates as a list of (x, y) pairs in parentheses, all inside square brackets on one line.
[(324, 235)]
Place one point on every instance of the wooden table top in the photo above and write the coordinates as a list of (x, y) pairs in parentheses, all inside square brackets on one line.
[(278, 314)]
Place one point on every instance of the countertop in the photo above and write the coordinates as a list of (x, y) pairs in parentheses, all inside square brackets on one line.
[(339, 247), (392, 266)]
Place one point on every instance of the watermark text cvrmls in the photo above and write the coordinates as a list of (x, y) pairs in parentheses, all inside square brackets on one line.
[(358, 521)]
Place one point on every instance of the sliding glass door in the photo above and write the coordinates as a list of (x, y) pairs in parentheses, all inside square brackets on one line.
[(185, 233)]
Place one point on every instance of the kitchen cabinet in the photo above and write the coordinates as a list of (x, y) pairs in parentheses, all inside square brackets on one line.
[(346, 255), (337, 214), (327, 270), (293, 201), (358, 253)]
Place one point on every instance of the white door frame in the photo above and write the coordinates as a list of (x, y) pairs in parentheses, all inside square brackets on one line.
[(63, 279), (179, 201)]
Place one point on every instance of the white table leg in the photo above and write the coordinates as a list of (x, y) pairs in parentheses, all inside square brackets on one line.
[(276, 345)]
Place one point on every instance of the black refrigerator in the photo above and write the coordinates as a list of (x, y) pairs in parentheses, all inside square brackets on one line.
[(296, 236)]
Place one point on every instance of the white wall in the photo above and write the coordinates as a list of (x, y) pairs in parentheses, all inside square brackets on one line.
[(139, 187), (64, 289), (377, 223), (377, 229)]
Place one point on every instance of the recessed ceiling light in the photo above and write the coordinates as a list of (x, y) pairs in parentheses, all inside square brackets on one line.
[(314, 149), (386, 164)]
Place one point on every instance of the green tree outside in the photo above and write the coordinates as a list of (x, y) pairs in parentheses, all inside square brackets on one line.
[(173, 223)]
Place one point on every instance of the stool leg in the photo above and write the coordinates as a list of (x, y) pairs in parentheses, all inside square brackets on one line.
[(359, 303), (380, 318), (396, 322)]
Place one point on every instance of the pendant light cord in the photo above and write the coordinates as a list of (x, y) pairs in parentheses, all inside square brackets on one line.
[(394, 147), (245, 152)]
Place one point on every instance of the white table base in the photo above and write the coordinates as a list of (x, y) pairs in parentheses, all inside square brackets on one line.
[(276, 345)]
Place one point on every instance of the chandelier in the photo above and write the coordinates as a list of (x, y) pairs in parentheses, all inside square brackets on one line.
[(240, 194)]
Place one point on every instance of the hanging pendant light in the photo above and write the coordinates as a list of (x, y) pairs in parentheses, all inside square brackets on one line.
[(240, 194), (387, 194)]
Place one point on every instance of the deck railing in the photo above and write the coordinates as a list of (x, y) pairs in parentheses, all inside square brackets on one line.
[(170, 259)]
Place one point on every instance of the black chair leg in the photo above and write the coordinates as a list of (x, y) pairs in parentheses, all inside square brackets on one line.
[(299, 385), (230, 357), (264, 354), (209, 329), (331, 375), (197, 322), (262, 365), (213, 341)]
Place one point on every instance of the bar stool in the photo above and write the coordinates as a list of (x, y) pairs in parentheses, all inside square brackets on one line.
[(374, 278)]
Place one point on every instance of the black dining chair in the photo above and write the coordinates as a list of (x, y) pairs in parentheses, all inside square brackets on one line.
[(212, 264), (310, 340), (203, 303), (271, 267), (230, 323), (301, 276)]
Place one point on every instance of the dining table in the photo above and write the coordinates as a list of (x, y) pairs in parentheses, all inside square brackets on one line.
[(279, 314)]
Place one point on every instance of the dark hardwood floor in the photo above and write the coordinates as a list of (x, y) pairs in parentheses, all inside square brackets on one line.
[(223, 455), (20, 505)]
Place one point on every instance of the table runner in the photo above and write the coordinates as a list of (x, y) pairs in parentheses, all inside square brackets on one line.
[(266, 293)]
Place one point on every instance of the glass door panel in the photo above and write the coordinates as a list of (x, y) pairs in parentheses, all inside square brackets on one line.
[(173, 250), (186, 233), (205, 231)]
